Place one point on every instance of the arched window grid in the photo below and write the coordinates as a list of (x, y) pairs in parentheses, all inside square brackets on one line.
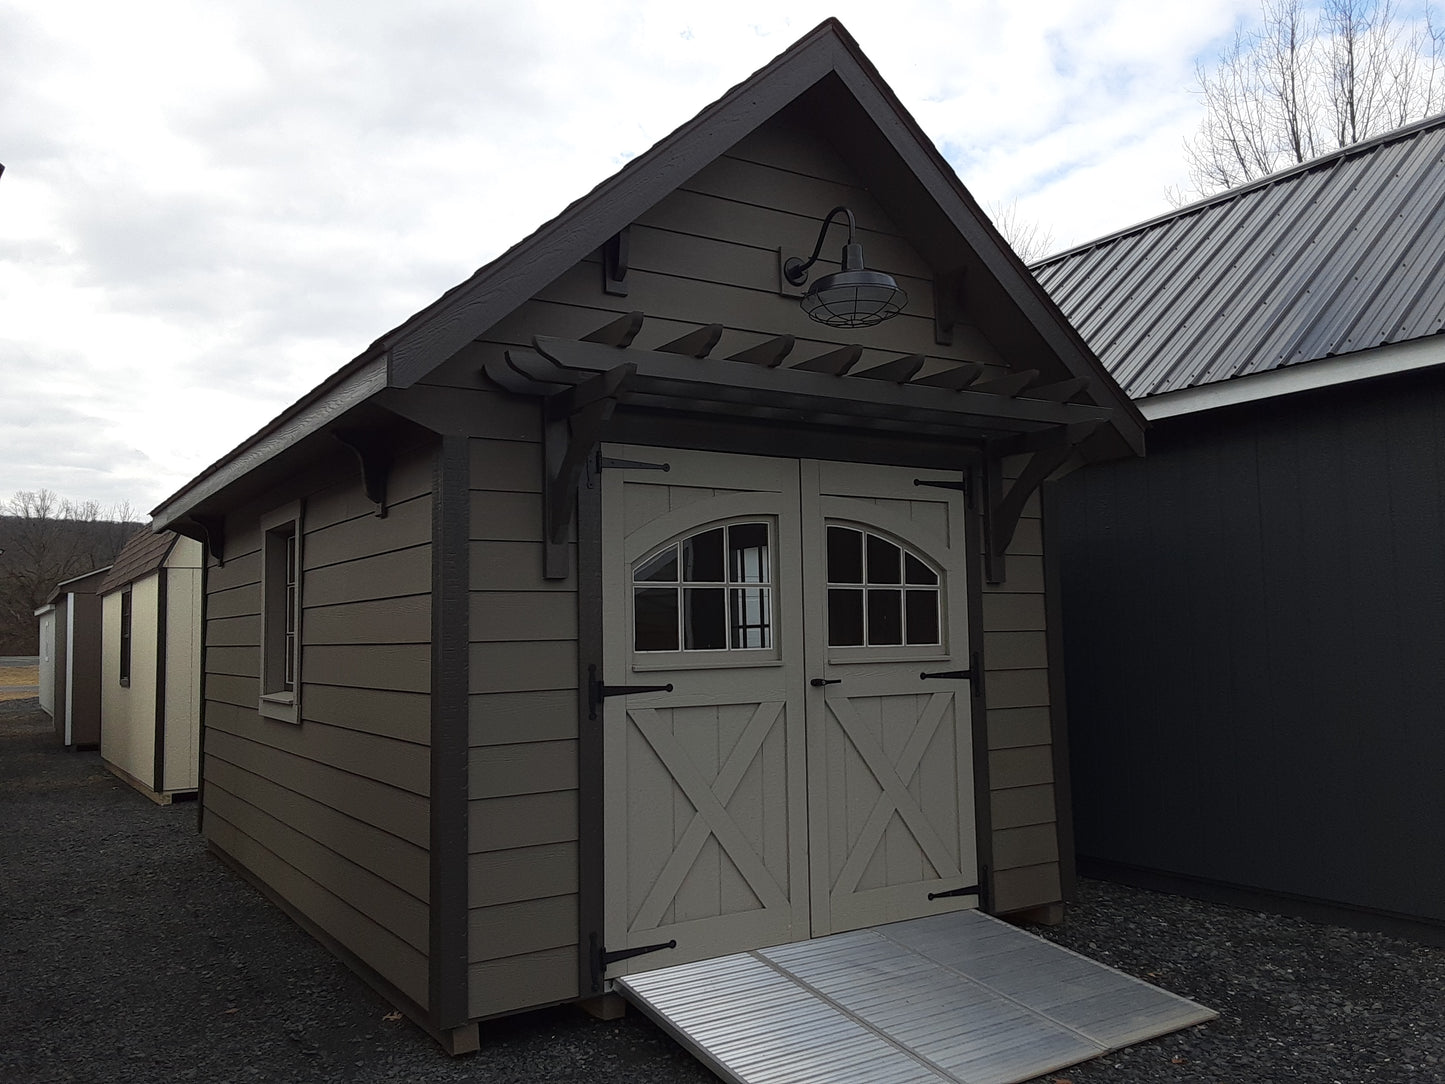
[(880, 592), (709, 591)]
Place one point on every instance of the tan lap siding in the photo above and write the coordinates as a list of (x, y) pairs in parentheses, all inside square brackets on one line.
[(332, 813), (1021, 759), (522, 769), (708, 252)]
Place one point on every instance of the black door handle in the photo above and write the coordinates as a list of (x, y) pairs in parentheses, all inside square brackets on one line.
[(818, 683)]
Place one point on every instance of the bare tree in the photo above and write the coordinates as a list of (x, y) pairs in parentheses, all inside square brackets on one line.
[(1031, 240), (1305, 82), (43, 540)]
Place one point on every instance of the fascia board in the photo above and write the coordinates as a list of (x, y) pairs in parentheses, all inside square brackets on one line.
[(522, 271), (1309, 376), (946, 189), (276, 438)]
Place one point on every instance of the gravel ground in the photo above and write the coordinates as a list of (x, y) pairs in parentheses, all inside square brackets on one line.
[(127, 953)]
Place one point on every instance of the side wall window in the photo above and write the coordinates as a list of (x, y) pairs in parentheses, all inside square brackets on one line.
[(281, 614), (125, 612)]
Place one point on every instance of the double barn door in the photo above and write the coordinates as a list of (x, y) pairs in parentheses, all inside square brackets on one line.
[(801, 776)]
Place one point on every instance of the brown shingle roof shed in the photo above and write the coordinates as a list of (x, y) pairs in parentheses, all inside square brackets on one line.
[(143, 554)]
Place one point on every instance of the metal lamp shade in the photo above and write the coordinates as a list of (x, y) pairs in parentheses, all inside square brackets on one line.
[(850, 298)]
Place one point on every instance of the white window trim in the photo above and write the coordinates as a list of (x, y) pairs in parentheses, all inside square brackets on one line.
[(278, 703)]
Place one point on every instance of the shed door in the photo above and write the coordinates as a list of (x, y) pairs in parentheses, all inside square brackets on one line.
[(890, 752), (748, 806)]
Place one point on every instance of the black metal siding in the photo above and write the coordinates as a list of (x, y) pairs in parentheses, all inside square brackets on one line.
[(1255, 648)]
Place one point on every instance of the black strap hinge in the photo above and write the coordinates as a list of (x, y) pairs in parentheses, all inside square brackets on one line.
[(608, 463), (610, 958), (961, 486), (971, 890), (971, 674), (598, 691), (602, 959)]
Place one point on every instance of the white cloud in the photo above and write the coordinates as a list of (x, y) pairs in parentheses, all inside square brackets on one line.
[(207, 208)]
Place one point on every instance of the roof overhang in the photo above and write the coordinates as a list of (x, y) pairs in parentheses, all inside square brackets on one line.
[(307, 418), (1308, 376)]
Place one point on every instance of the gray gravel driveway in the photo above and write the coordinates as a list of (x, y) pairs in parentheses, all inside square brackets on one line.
[(127, 953)]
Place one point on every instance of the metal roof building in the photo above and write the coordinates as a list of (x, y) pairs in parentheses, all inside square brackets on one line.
[(1341, 254), (1255, 612)]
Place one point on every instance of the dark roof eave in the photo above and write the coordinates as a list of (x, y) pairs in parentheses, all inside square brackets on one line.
[(340, 393)]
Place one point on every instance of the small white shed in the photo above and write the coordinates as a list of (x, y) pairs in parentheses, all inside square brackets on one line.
[(150, 668), (46, 616)]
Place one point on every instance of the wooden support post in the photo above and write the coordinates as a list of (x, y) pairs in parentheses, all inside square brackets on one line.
[(606, 1007)]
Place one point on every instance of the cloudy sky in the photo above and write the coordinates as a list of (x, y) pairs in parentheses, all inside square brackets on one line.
[(210, 205)]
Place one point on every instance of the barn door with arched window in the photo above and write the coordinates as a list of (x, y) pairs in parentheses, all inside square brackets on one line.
[(775, 766), (890, 751)]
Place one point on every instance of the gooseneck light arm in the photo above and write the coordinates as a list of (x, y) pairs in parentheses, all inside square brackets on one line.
[(796, 270)]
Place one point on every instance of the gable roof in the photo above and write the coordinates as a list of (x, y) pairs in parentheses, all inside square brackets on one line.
[(87, 583), (1342, 254), (894, 155), (142, 555)]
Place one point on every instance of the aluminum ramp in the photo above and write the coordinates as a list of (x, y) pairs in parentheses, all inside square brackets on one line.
[(960, 998)]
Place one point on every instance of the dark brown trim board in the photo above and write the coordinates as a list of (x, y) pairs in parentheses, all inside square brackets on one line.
[(204, 588), (1058, 694), (591, 853), (451, 503), (162, 576), (982, 791)]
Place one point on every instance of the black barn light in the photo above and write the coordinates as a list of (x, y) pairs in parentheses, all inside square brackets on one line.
[(852, 297)]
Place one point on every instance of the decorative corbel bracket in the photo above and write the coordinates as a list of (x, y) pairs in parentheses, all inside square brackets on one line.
[(374, 454), (948, 299), (572, 425), (615, 257), (1003, 505), (209, 531)]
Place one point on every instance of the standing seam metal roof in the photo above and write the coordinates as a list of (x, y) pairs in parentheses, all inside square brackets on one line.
[(1340, 254)]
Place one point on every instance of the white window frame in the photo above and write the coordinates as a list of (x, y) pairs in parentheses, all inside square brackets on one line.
[(280, 696)]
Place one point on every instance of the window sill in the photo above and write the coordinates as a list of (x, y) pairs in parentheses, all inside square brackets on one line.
[(279, 706)]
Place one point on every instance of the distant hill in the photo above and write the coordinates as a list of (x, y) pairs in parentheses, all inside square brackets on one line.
[(38, 554)]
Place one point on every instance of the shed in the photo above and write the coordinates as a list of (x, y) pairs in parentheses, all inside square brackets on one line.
[(74, 677), (1256, 614), (612, 613), (45, 616), (151, 664)]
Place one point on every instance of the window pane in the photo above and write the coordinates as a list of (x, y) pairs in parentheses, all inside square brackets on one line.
[(923, 617), (654, 611), (750, 617), (885, 617), (748, 553), (704, 623), (845, 558), (845, 618), (915, 571), (702, 560), (883, 562), (661, 568)]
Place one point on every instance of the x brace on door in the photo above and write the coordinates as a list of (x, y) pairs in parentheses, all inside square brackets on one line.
[(893, 780), (710, 816)]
